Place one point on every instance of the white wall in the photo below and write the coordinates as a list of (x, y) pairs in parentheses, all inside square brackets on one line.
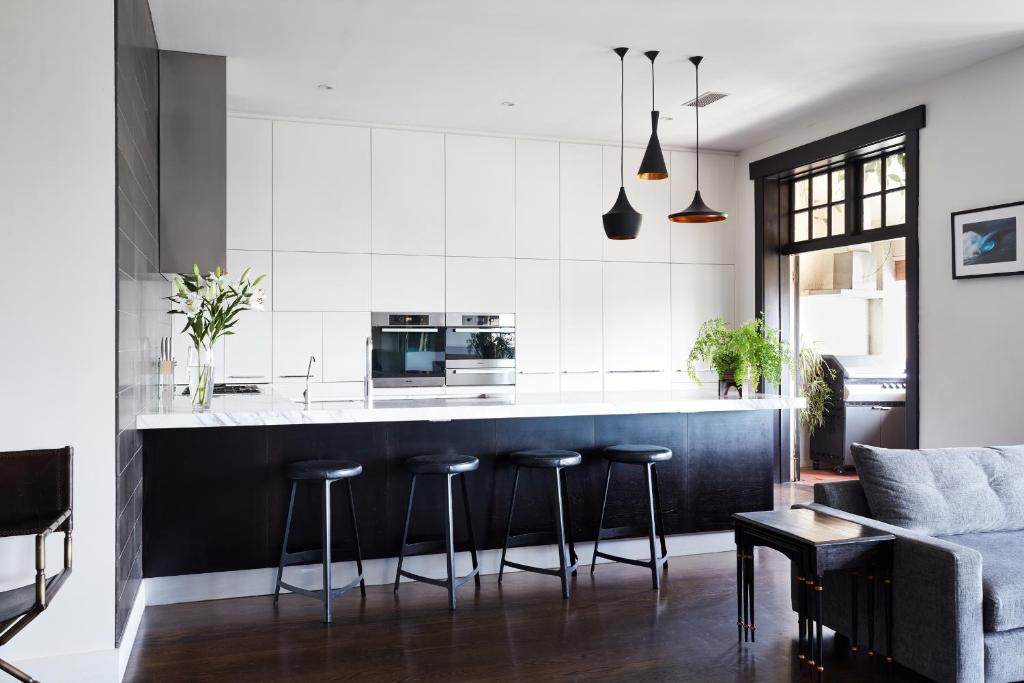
[(970, 331), (57, 274)]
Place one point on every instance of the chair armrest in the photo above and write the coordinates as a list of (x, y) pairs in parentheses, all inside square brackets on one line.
[(937, 603), (34, 526)]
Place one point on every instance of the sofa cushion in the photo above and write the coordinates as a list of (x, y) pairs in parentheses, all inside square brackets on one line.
[(944, 491), (1002, 581)]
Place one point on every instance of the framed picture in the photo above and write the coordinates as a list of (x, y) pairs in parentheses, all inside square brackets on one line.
[(988, 241)]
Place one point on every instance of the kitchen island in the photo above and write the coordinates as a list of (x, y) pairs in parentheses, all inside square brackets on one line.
[(215, 494)]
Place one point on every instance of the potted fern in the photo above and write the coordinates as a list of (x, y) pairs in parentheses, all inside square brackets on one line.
[(750, 352)]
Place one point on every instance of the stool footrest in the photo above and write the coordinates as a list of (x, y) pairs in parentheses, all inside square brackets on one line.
[(622, 532), (532, 538), (629, 560), (443, 583), (538, 570), (319, 594)]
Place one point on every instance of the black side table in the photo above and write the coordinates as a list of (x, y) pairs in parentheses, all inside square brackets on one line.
[(816, 543)]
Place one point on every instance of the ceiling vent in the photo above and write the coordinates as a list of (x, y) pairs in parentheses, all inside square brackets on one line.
[(705, 99)]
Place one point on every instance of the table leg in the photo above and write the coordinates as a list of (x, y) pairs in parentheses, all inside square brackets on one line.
[(740, 594), (809, 602), (752, 625), (819, 588), (801, 612), (888, 620), (871, 615), (854, 610)]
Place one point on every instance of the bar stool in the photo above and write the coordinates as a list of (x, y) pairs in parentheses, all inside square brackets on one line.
[(556, 461), (647, 456), (449, 466), (326, 472)]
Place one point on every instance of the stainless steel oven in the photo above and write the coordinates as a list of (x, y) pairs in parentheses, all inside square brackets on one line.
[(408, 349), (480, 349)]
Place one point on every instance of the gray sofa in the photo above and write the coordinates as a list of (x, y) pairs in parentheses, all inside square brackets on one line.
[(958, 575)]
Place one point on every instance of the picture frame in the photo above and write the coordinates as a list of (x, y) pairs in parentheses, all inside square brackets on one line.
[(988, 242)]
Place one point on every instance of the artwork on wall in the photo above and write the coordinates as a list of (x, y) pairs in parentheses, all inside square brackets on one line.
[(988, 241)]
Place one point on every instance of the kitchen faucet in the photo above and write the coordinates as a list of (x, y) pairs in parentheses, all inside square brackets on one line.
[(309, 373)]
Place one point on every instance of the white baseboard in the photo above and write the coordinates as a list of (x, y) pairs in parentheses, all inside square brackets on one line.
[(131, 629), (97, 666), (250, 582)]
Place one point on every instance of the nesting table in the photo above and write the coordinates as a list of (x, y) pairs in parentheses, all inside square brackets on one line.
[(816, 543)]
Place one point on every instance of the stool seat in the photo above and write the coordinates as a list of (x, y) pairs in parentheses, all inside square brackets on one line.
[(324, 470), (441, 464), (546, 458), (637, 454)]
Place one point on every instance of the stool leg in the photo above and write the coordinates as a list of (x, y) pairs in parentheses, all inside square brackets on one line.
[(355, 535), (600, 523), (568, 522), (469, 527), (449, 541), (652, 534), (326, 525), (284, 544), (508, 525), (405, 533), (563, 568), (660, 511)]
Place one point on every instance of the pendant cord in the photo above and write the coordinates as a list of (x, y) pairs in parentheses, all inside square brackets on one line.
[(696, 111), (622, 120), (652, 85)]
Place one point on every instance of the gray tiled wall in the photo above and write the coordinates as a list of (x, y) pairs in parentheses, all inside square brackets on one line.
[(141, 317)]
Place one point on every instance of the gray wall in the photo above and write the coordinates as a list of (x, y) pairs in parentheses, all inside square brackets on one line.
[(141, 317)]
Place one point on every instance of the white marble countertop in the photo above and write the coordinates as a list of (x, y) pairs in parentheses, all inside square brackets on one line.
[(272, 408)]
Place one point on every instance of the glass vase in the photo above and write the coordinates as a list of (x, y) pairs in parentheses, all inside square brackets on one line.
[(201, 379)]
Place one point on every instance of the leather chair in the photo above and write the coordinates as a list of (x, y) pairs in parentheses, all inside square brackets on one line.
[(35, 499)]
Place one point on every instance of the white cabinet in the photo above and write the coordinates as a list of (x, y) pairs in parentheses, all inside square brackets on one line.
[(249, 183), (699, 293), (305, 281), (407, 283), (649, 197), (536, 199), (537, 319), (345, 346), (248, 353), (703, 242), (261, 262), (637, 325), (580, 181), (408, 192), (480, 191), (480, 285), (581, 326), (297, 336), (321, 187)]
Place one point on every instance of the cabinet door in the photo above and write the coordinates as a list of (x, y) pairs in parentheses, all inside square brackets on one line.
[(305, 281), (345, 346), (261, 262), (894, 427), (649, 197), (407, 283), (637, 325), (703, 242), (579, 184), (699, 293), (408, 192), (480, 285), (249, 183), (863, 425), (536, 199), (297, 336), (321, 187), (480, 191), (248, 353), (581, 326), (537, 345)]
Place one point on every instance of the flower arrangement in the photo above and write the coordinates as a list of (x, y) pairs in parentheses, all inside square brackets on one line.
[(211, 305)]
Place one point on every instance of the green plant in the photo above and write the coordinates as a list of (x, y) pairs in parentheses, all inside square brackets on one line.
[(754, 350), (814, 377)]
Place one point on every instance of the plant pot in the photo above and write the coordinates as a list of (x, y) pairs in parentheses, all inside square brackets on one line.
[(726, 381)]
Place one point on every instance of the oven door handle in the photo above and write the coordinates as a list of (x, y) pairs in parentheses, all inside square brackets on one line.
[(478, 330), (409, 329), (480, 371)]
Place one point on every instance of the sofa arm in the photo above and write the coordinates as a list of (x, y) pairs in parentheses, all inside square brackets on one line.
[(847, 496), (937, 603)]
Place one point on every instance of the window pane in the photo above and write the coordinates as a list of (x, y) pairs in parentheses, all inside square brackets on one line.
[(820, 222), (872, 213), (895, 170), (872, 176), (800, 226), (838, 219), (896, 207), (800, 194), (838, 185), (819, 189)]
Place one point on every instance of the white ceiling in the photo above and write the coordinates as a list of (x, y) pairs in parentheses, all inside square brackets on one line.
[(450, 63)]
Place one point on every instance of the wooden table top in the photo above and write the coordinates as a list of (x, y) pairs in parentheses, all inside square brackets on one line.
[(810, 527)]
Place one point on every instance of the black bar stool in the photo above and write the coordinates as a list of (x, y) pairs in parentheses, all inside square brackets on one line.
[(450, 466), (327, 472), (550, 460), (648, 456)]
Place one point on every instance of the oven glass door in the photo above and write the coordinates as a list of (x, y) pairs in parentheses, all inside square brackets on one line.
[(480, 344), (407, 352)]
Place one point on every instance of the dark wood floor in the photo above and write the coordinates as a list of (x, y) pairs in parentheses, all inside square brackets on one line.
[(615, 628)]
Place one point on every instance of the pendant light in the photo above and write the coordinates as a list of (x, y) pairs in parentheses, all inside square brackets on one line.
[(622, 222), (697, 211), (653, 165)]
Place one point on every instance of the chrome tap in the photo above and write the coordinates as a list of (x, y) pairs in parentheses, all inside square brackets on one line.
[(309, 373)]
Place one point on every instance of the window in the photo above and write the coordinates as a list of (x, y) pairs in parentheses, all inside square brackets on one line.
[(819, 208), (883, 196)]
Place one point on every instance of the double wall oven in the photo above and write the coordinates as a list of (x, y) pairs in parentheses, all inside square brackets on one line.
[(480, 349)]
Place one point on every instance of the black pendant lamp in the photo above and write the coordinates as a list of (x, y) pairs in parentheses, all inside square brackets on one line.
[(697, 211), (653, 165), (622, 222)]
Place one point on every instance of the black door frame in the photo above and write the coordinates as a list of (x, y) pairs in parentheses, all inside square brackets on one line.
[(772, 246)]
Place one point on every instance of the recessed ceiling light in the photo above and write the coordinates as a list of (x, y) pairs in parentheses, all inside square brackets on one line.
[(508, 103), (666, 118), (325, 86)]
